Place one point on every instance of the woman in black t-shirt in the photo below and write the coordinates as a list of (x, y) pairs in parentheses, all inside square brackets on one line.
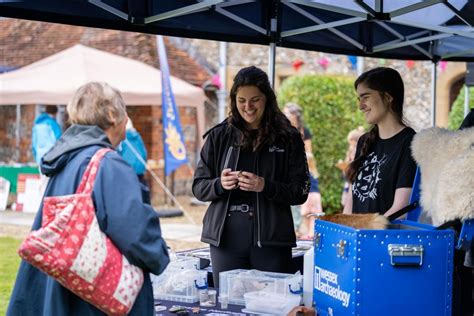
[(383, 170)]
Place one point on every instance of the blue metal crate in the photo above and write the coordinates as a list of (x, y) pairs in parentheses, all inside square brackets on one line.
[(405, 270)]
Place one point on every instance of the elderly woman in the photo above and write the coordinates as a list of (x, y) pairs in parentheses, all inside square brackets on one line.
[(98, 117)]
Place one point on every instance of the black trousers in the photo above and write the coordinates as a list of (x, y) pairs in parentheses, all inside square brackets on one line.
[(237, 250)]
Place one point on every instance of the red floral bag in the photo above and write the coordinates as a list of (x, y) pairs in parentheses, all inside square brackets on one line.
[(71, 248)]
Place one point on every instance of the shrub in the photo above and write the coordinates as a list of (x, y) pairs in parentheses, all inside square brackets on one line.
[(330, 111), (456, 115)]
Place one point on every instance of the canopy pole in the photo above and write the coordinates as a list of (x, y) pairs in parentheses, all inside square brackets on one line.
[(222, 93), (360, 65), (271, 63), (17, 132), (434, 70), (466, 100)]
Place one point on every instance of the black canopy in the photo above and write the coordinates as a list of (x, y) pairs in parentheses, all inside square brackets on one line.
[(403, 29)]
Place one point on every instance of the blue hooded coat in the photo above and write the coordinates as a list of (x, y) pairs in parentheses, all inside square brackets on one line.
[(135, 140), (44, 134), (132, 225)]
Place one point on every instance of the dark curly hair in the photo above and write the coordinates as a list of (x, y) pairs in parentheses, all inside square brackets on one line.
[(386, 81), (274, 126)]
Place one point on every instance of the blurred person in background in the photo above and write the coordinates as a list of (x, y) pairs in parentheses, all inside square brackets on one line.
[(304, 224), (46, 131), (136, 157)]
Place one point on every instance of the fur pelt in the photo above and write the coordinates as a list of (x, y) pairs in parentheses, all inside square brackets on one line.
[(446, 161), (358, 221)]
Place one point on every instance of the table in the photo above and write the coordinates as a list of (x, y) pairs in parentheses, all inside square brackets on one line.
[(205, 258), (205, 264), (11, 172), (235, 310)]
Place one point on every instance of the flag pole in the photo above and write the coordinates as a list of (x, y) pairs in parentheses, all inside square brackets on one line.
[(158, 180), (173, 137)]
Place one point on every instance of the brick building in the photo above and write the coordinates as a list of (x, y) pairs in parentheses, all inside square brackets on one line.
[(24, 42)]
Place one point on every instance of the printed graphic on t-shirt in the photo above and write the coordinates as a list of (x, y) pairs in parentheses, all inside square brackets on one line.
[(365, 184)]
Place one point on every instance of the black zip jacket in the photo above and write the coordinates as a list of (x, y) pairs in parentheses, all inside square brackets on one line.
[(285, 170)]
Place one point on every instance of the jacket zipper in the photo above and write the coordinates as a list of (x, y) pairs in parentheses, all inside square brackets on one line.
[(259, 241), (227, 158)]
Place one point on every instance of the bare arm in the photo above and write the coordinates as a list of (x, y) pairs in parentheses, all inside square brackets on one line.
[(308, 146), (348, 205), (401, 199)]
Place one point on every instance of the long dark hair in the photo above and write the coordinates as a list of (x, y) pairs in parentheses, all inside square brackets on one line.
[(387, 82), (274, 126)]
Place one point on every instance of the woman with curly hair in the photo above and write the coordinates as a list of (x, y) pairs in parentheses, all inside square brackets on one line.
[(252, 168)]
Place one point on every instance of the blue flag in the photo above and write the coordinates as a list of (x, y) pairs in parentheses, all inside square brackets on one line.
[(175, 152)]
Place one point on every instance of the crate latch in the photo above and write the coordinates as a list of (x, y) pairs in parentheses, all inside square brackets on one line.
[(405, 255), (317, 240), (341, 248)]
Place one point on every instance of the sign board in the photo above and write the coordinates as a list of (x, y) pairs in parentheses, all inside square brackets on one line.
[(4, 191), (28, 193)]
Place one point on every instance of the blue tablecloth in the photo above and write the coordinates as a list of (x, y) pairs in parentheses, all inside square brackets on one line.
[(235, 310)]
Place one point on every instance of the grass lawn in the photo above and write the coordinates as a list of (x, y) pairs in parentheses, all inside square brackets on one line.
[(9, 262)]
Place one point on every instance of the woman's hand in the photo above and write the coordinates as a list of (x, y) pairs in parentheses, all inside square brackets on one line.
[(302, 311), (250, 182), (229, 179)]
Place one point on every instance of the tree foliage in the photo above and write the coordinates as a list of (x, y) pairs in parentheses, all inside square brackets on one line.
[(330, 111), (456, 115)]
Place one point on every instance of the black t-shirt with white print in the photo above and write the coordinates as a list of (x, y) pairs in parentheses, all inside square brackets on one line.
[(388, 166)]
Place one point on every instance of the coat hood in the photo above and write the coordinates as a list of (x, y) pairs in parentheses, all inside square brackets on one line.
[(75, 137), (43, 117)]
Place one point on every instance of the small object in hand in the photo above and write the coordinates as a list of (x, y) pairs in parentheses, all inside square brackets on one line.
[(239, 174), (195, 310)]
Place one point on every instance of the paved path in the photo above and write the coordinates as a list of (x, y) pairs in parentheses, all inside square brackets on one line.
[(182, 232)]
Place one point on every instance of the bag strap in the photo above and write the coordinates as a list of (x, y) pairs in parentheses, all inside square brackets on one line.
[(403, 211), (88, 179)]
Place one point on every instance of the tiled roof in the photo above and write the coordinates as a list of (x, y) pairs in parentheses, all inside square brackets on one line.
[(23, 42)]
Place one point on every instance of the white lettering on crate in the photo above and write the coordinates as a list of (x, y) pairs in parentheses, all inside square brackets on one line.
[(326, 282)]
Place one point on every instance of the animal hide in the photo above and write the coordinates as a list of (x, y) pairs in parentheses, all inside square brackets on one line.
[(446, 161), (358, 221)]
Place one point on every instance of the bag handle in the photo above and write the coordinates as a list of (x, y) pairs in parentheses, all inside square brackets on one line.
[(403, 211), (88, 179)]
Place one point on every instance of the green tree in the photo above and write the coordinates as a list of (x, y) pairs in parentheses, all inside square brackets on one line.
[(330, 111), (456, 115)]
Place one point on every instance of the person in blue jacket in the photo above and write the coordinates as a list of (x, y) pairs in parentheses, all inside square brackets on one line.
[(136, 157), (46, 131), (133, 138), (98, 117)]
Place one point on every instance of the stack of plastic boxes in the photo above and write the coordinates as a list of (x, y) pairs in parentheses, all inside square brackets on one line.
[(181, 281), (260, 287)]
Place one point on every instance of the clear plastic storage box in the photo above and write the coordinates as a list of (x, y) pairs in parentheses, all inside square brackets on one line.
[(236, 283), (270, 303), (180, 281)]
